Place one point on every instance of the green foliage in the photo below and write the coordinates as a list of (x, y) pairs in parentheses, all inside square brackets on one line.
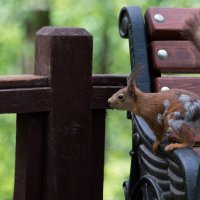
[(117, 159), (11, 39), (7, 155), (10, 48)]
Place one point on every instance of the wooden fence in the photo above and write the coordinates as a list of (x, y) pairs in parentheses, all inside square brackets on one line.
[(60, 119)]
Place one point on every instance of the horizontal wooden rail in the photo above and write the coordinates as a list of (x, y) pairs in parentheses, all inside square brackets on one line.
[(29, 93), (24, 100), (23, 81), (24, 93), (109, 80)]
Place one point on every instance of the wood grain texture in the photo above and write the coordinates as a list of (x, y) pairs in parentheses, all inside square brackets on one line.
[(171, 28), (23, 81), (182, 57)]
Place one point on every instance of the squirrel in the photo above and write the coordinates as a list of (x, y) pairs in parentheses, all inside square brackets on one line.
[(176, 110)]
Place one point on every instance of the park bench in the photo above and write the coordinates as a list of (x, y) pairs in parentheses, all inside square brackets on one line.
[(157, 43)]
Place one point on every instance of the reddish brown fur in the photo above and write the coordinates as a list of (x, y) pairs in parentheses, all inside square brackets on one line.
[(151, 105)]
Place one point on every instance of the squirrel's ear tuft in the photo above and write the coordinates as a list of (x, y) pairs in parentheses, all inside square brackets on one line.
[(131, 78), (131, 89), (134, 74)]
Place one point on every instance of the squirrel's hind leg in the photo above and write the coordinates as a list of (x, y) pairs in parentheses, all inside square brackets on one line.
[(184, 137), (157, 142), (174, 146)]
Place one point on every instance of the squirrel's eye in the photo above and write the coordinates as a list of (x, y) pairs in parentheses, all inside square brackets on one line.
[(121, 96)]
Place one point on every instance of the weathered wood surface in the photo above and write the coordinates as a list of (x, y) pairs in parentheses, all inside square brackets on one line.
[(182, 57), (173, 24)]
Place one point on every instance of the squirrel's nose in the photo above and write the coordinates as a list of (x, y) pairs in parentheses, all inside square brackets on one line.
[(109, 100)]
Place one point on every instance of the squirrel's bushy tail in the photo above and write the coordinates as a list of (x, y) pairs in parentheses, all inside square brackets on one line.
[(192, 30)]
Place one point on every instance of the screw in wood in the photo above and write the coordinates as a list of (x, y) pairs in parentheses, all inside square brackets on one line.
[(159, 18), (164, 88), (162, 54)]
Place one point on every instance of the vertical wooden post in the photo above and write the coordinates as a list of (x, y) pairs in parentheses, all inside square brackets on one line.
[(65, 56), (31, 129)]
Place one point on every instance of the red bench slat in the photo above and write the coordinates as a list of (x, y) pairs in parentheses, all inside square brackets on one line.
[(172, 25), (188, 83), (182, 57)]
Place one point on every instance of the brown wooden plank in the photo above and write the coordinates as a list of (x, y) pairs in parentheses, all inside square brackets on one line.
[(101, 94), (187, 83), (22, 81), (109, 80), (23, 100), (182, 57), (174, 21), (31, 130), (65, 56)]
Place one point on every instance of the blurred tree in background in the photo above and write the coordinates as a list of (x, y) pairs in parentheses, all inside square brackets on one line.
[(20, 19)]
